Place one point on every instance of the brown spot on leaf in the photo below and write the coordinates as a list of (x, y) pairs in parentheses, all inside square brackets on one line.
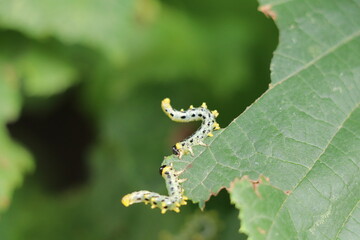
[(288, 192), (267, 11), (4, 202), (4, 163), (261, 231), (255, 185)]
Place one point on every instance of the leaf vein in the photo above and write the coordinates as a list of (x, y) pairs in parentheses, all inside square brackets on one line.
[(320, 56), (346, 220), (316, 160)]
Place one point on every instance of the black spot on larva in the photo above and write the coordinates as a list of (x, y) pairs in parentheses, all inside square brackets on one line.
[(208, 124), (175, 151), (183, 117), (183, 144), (191, 140), (162, 200), (155, 203), (161, 169), (204, 117), (200, 115), (204, 131), (146, 199), (193, 115), (213, 121), (171, 114), (209, 115), (165, 207), (166, 110), (139, 199), (172, 189)]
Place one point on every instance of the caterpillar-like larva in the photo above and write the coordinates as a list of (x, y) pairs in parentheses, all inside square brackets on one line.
[(192, 114), (172, 202)]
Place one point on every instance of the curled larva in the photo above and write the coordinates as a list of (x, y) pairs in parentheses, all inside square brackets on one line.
[(192, 114), (172, 202)]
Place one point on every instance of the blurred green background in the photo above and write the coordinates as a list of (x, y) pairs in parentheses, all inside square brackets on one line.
[(80, 89)]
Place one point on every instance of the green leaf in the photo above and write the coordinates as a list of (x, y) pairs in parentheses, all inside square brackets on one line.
[(34, 69), (9, 95), (45, 74), (303, 133), (38, 73), (99, 24), (168, 43), (258, 201), (14, 162), (14, 159)]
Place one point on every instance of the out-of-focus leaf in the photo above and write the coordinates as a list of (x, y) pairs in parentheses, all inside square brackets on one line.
[(168, 44), (43, 74), (14, 162), (99, 24), (33, 69), (203, 51), (10, 97), (303, 133), (14, 159), (198, 226), (23, 71)]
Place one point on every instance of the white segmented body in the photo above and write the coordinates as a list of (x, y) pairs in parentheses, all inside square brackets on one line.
[(192, 114), (172, 202)]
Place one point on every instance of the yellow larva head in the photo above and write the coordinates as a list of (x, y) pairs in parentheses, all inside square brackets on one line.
[(126, 200), (166, 101), (165, 104)]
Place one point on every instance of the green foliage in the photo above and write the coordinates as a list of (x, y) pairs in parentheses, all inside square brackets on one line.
[(118, 59), (14, 162), (113, 62)]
